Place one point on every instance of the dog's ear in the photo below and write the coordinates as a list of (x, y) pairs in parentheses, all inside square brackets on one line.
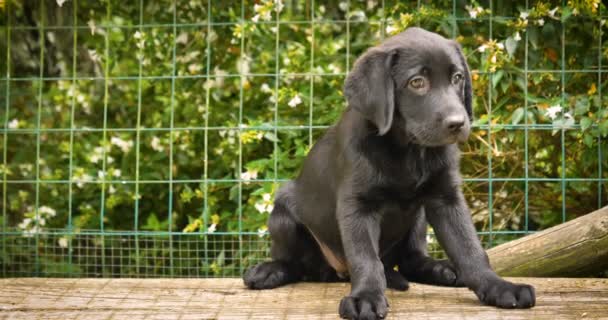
[(467, 98), (369, 87)]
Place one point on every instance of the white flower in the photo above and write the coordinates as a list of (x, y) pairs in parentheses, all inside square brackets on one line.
[(474, 11), (25, 223), (116, 173), (516, 36), (390, 29), (278, 5), (155, 144), (47, 211), (553, 111), (358, 16), (93, 55), (500, 46), (96, 155), (92, 26), (266, 204), (101, 174), (111, 189), (552, 13), (493, 58), (262, 12), (333, 68), (220, 75), (296, 100), (266, 88), (261, 207), (25, 168), (61, 2), (182, 38), (540, 22), (125, 146), (63, 242), (141, 41), (82, 179), (567, 115), (482, 48), (242, 65), (262, 231), (264, 207), (343, 6), (14, 124), (249, 175), (212, 228), (523, 15)]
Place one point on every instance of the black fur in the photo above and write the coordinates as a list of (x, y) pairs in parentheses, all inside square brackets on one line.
[(360, 206)]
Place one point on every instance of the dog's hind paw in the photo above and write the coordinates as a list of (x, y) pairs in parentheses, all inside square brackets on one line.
[(268, 275), (395, 280)]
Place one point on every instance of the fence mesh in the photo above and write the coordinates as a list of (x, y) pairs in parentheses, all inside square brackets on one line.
[(148, 138)]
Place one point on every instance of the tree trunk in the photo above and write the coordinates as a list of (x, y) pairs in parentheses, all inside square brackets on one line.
[(576, 248)]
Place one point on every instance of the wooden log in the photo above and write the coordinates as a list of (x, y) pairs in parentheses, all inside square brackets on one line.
[(573, 249)]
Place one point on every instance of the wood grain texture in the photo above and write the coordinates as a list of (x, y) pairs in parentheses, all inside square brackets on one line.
[(575, 248), (90, 299)]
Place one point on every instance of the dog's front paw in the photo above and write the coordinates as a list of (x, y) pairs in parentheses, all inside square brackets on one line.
[(364, 307), (267, 275), (504, 294)]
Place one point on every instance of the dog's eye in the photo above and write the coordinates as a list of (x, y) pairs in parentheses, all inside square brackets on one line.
[(457, 77), (417, 83)]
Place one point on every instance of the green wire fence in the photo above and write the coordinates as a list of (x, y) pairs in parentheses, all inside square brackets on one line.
[(147, 138)]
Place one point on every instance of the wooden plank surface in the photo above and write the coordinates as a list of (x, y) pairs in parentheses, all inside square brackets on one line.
[(90, 299)]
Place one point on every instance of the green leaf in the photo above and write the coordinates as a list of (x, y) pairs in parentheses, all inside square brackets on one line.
[(603, 126), (497, 77), (152, 221), (517, 115), (511, 46), (581, 106), (271, 136), (586, 122), (588, 140), (186, 195), (566, 13), (533, 38)]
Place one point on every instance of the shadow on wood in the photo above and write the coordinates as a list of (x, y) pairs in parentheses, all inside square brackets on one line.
[(573, 249)]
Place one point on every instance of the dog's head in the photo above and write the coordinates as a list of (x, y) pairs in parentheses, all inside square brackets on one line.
[(417, 81)]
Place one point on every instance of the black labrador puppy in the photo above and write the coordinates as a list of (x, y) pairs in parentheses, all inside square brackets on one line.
[(360, 206)]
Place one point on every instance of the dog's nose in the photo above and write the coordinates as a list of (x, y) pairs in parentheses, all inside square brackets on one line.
[(454, 123)]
